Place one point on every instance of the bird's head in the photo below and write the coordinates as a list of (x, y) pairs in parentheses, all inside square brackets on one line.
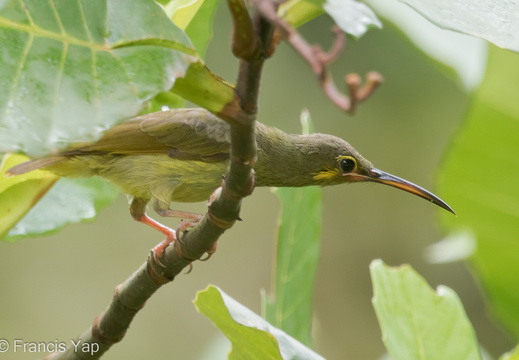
[(336, 162)]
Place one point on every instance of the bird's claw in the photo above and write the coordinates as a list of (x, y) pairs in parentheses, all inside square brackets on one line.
[(183, 226), (172, 237), (210, 252)]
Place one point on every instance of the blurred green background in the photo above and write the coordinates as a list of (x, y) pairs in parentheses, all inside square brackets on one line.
[(53, 287)]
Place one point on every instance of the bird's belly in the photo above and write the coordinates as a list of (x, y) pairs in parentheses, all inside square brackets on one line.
[(193, 192), (164, 178)]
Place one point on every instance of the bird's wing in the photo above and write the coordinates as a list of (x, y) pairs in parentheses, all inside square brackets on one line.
[(196, 132), (181, 133)]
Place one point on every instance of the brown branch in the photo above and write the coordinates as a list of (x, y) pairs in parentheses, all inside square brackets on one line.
[(319, 59), (111, 325), (224, 205), (245, 43)]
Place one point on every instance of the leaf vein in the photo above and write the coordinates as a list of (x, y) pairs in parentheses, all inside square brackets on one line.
[(26, 11), (56, 15), (34, 30)]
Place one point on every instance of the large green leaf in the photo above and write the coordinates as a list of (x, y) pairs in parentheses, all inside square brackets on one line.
[(289, 307), (479, 179), (418, 323), (492, 20), (252, 337), (71, 69)]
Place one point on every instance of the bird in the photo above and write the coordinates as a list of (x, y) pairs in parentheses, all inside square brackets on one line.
[(180, 155)]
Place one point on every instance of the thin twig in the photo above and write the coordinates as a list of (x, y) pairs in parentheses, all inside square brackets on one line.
[(319, 59)]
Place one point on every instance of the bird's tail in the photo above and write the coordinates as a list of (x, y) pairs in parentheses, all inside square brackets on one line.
[(34, 165)]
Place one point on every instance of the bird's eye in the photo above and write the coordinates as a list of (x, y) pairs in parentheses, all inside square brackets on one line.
[(347, 165)]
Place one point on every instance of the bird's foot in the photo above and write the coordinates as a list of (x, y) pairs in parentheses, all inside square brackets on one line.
[(183, 226), (171, 236), (159, 249)]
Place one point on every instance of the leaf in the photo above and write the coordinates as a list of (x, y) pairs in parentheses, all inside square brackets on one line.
[(69, 201), (464, 54), (163, 101), (299, 12), (418, 323), (195, 17), (204, 88), (71, 69), (456, 246), (353, 17), (512, 355), (251, 337), (492, 20), (289, 307), (18, 194), (479, 179)]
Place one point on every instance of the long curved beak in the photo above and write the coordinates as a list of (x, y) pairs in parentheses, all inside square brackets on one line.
[(379, 176)]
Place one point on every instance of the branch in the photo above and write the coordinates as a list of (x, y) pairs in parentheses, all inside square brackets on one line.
[(319, 59), (224, 205)]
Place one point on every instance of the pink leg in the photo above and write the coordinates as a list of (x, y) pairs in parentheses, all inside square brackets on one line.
[(138, 212), (170, 233)]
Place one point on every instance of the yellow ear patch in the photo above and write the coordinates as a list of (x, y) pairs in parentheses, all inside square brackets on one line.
[(327, 174)]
